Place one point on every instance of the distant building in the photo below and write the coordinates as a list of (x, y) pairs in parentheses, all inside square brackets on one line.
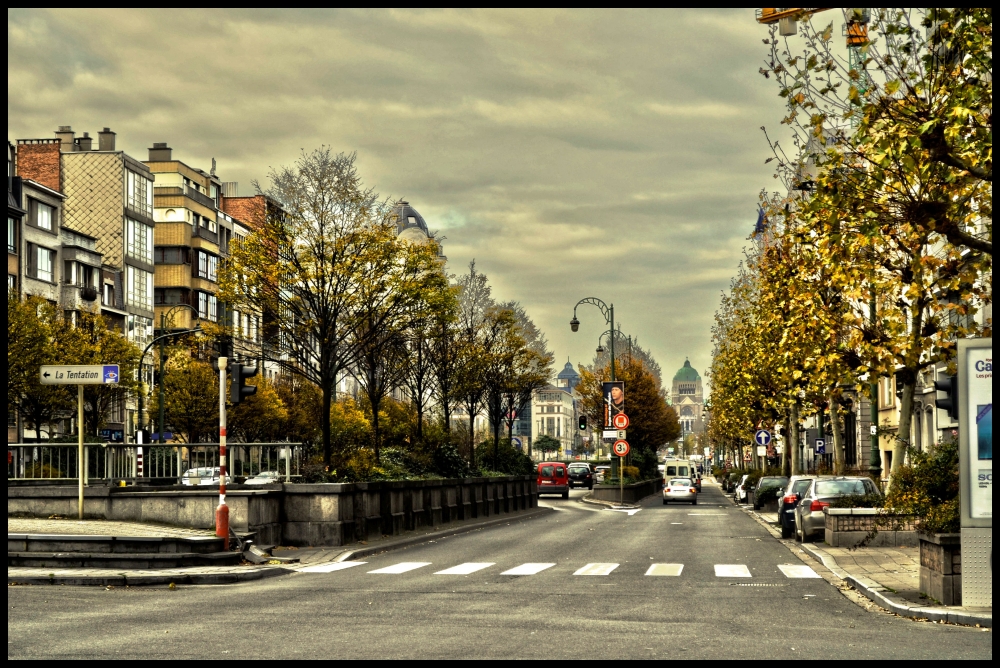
[(688, 398)]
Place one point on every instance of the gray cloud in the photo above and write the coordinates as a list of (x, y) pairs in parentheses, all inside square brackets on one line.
[(614, 154)]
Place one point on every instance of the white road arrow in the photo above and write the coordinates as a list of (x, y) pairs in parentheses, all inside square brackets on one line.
[(629, 511)]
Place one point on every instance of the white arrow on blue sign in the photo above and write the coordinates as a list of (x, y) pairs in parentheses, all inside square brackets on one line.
[(763, 437)]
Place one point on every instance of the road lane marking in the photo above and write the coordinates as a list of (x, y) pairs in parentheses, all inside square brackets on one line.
[(677, 522), (596, 569), (629, 511), (672, 570), (333, 566), (466, 569), (527, 569), (732, 571), (797, 571), (707, 514), (402, 567)]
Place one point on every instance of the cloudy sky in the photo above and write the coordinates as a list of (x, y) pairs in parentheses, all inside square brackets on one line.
[(614, 154)]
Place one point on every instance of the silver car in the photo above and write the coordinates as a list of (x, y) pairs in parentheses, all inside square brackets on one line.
[(680, 489), (265, 478), (809, 516)]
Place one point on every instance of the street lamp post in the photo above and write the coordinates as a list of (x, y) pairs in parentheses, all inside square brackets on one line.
[(163, 328), (159, 339), (609, 317)]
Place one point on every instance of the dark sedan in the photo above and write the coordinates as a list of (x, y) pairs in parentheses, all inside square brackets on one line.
[(580, 475)]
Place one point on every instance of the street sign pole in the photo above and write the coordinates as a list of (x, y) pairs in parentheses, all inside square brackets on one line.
[(222, 512), (79, 450)]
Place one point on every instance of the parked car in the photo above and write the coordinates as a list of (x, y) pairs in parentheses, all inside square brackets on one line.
[(730, 481), (265, 478), (809, 517), (739, 492), (680, 489), (601, 472), (767, 482), (796, 487), (580, 475), (696, 479), (203, 475), (553, 478)]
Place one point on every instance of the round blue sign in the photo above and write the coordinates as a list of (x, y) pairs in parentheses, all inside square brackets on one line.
[(763, 437)]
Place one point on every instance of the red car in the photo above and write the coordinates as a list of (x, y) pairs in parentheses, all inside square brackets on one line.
[(553, 478)]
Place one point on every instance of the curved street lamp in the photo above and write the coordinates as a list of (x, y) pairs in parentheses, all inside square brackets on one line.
[(609, 316), (161, 339)]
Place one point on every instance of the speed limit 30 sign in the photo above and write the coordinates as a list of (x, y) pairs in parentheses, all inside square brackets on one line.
[(620, 448)]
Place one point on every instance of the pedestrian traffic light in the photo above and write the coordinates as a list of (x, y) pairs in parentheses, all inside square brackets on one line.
[(949, 385), (238, 388), (583, 423)]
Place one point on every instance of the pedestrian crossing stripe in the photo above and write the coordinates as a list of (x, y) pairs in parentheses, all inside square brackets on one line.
[(797, 571), (732, 571), (669, 570), (329, 568), (596, 569), (528, 569), (403, 567), (465, 569)]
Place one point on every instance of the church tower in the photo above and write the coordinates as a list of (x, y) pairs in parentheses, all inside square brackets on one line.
[(688, 399)]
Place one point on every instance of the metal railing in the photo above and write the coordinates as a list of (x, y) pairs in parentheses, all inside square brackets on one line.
[(113, 462)]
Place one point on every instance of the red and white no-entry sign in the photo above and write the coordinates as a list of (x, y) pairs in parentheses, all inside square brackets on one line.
[(620, 421), (620, 448)]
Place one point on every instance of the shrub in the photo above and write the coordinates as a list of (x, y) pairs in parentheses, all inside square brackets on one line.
[(448, 463), (509, 460), (929, 488)]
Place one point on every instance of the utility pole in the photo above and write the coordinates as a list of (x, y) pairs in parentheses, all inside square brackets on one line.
[(222, 512)]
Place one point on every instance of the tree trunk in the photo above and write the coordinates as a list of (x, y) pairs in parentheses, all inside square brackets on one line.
[(375, 403), (786, 469), (838, 438), (328, 389), (793, 435), (472, 440), (905, 422)]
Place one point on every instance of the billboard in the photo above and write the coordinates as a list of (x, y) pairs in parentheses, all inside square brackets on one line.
[(614, 401), (979, 440)]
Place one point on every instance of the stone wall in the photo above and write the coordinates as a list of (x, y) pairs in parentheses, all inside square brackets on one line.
[(326, 514), (846, 527), (632, 493), (941, 567)]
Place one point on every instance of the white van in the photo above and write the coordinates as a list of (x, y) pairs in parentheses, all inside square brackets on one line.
[(677, 468)]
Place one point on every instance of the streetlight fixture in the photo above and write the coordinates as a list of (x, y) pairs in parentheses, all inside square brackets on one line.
[(609, 316), (161, 339)]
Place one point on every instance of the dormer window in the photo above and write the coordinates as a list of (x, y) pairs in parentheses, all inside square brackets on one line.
[(412, 220)]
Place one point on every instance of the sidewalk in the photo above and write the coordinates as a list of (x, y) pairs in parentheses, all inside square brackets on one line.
[(887, 576), (65, 527)]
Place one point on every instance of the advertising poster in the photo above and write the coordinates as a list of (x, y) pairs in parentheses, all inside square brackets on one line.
[(614, 401), (979, 371)]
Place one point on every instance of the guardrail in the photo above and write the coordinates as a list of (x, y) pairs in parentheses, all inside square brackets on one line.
[(116, 462)]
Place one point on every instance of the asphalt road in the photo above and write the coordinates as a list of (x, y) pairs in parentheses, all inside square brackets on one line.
[(484, 613)]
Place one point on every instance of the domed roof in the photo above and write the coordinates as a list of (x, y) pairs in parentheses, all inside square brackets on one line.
[(687, 374), (568, 371), (407, 218)]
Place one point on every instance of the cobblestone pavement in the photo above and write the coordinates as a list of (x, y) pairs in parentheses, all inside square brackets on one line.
[(895, 568), (99, 528)]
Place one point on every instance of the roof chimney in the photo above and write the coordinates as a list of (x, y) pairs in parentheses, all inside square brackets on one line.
[(160, 152), (106, 140), (230, 189), (65, 135), (86, 142)]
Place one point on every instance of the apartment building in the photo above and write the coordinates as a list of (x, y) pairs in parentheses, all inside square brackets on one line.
[(555, 412)]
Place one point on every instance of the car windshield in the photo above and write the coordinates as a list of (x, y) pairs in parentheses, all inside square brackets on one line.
[(680, 482), (773, 482), (834, 487), (579, 468), (800, 486), (546, 471)]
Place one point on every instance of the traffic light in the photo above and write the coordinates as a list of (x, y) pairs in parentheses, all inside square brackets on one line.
[(583, 423), (238, 388), (949, 385)]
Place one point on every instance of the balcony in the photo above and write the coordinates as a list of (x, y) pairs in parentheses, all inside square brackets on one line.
[(190, 193), (88, 293)]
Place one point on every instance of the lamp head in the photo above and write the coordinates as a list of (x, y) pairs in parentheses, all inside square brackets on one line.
[(600, 350), (574, 324)]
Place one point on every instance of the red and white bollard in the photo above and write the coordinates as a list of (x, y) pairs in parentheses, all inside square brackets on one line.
[(222, 512)]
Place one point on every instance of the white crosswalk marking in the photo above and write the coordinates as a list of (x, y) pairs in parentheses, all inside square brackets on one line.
[(403, 567), (333, 566), (527, 569), (465, 569), (732, 571), (797, 571), (596, 569), (672, 570)]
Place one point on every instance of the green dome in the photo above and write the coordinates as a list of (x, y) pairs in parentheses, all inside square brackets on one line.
[(687, 374)]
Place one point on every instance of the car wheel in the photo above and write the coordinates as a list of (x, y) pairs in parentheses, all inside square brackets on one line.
[(566, 494), (786, 531), (664, 502), (694, 502), (798, 534)]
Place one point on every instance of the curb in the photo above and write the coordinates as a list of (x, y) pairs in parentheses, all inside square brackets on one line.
[(876, 593), (427, 537), (124, 580), (607, 504)]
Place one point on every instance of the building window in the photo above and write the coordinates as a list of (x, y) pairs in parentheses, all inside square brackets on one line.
[(11, 235), (44, 215), (139, 329), (139, 240), (208, 266), (41, 263), (108, 298), (139, 288), (168, 255), (208, 307), (139, 193)]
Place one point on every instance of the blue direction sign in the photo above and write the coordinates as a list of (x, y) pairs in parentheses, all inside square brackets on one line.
[(763, 437), (820, 446)]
